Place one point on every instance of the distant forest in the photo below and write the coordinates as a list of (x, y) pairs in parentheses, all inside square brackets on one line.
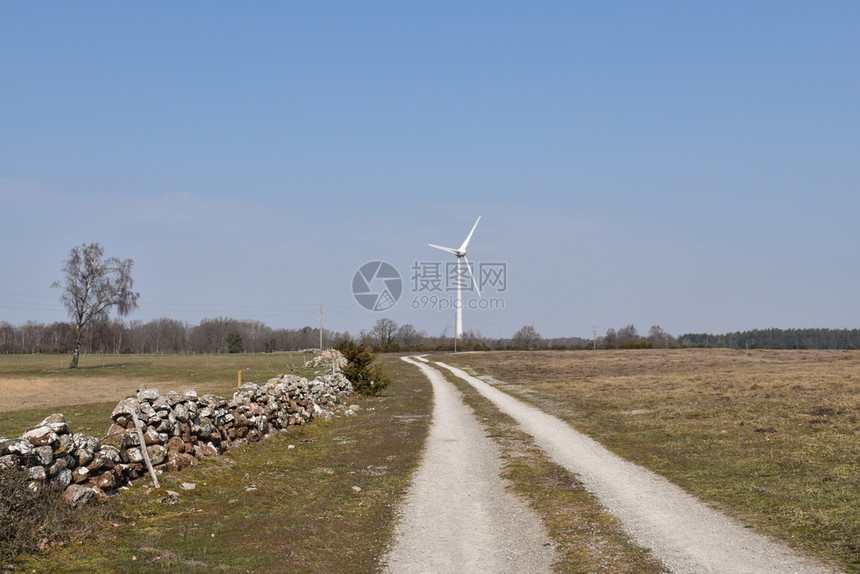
[(160, 336), (227, 335), (777, 339)]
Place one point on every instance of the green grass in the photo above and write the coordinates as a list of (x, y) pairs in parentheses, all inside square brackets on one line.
[(302, 514), (92, 419)]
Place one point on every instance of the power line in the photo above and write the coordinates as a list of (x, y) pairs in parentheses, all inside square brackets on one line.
[(29, 296)]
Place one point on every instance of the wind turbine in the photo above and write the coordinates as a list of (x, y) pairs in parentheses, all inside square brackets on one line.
[(460, 252)]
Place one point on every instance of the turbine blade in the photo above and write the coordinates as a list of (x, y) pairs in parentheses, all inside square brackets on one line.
[(465, 243), (448, 249), (474, 281)]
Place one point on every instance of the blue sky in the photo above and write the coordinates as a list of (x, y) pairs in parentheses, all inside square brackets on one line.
[(711, 185)]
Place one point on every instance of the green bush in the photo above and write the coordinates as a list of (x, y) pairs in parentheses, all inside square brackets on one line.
[(234, 342), (366, 377)]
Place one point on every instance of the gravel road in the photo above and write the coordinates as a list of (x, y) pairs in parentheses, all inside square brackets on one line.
[(458, 515), (689, 536)]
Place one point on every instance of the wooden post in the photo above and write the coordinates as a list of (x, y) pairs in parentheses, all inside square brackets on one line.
[(146, 460), (239, 382)]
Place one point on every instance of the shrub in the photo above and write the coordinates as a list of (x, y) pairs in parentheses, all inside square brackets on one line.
[(366, 377), (234, 342), (33, 518)]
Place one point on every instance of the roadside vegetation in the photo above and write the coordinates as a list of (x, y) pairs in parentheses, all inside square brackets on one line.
[(34, 520), (318, 498), (771, 437), (366, 375)]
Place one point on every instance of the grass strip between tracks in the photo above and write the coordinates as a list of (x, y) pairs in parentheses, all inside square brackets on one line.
[(587, 538)]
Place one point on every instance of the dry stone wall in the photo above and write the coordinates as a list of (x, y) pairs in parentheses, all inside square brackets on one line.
[(178, 430), (330, 358)]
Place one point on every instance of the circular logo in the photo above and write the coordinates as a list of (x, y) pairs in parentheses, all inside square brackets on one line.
[(377, 286)]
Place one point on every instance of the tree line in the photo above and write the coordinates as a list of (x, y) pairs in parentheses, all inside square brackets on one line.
[(776, 339), (386, 335), (160, 336), (228, 335)]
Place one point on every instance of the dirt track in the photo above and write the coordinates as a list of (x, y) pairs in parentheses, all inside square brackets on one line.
[(458, 516), (687, 535)]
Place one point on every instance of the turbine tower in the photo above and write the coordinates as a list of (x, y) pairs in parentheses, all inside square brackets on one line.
[(460, 253)]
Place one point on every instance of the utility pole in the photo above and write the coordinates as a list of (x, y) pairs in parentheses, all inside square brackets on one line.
[(594, 331), (531, 337), (321, 329)]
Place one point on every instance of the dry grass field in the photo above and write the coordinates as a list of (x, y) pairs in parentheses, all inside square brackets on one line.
[(37, 381), (771, 437), (34, 386)]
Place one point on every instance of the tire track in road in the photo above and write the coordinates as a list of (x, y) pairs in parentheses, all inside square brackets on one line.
[(689, 536), (458, 515)]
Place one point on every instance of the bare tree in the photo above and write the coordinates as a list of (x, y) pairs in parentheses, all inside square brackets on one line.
[(92, 286), (610, 338), (628, 335), (105, 335), (59, 337), (384, 332), (31, 334), (660, 338), (254, 334), (407, 334), (525, 337), (7, 337)]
